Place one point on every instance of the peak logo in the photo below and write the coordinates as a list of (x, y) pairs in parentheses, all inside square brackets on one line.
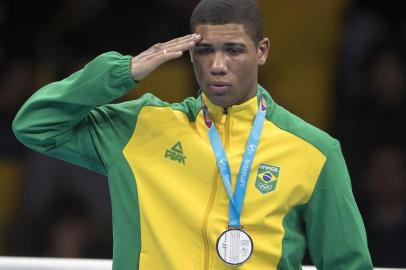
[(176, 153)]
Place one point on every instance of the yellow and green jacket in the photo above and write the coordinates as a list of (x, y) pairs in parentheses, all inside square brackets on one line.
[(169, 204)]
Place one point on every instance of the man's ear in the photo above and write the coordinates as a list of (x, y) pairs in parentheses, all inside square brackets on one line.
[(191, 55), (263, 50)]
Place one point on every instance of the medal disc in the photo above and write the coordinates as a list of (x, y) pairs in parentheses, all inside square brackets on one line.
[(234, 246)]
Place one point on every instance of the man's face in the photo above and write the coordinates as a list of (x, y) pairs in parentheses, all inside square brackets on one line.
[(226, 63)]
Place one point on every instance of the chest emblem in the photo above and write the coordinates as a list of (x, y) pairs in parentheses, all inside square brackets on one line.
[(176, 153), (267, 178)]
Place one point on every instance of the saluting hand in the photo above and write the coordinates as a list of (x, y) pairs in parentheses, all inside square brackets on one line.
[(146, 62)]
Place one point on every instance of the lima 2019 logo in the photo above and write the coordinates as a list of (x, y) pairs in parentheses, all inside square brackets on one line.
[(267, 178)]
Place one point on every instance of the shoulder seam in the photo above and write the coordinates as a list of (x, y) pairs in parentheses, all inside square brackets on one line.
[(113, 160), (324, 153), (191, 116), (318, 177), (301, 138)]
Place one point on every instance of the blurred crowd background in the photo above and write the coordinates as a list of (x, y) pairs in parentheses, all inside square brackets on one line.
[(338, 64)]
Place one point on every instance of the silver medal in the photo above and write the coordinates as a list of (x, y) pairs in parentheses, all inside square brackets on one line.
[(234, 246)]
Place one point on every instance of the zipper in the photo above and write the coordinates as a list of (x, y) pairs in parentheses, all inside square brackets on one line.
[(216, 179)]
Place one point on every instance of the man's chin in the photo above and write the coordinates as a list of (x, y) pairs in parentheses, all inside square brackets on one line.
[(222, 100)]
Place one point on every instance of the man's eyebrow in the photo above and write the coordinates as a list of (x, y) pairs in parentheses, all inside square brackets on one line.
[(232, 44), (203, 45), (228, 44)]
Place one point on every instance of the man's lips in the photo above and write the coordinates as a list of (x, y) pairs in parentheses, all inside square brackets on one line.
[(219, 87)]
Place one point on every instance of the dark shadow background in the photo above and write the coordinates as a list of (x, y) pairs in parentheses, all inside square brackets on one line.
[(338, 64)]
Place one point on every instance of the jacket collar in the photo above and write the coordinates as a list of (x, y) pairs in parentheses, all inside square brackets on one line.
[(245, 111)]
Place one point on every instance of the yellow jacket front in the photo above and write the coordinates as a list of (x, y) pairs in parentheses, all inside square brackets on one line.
[(169, 204)]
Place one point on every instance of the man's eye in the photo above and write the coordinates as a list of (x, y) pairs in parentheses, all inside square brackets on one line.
[(203, 51), (234, 51)]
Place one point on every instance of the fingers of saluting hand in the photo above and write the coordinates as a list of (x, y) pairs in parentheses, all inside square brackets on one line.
[(174, 49), (179, 44), (144, 63), (191, 37)]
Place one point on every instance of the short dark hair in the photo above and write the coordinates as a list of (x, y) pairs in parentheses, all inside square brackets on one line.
[(218, 12)]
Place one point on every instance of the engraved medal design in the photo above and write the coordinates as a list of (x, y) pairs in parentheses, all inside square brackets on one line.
[(234, 246)]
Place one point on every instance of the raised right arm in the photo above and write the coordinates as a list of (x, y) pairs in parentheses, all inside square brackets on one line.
[(65, 119), (68, 119)]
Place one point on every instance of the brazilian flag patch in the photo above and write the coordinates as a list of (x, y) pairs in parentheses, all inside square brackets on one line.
[(267, 178)]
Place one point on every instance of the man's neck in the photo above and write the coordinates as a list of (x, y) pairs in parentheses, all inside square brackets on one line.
[(252, 94)]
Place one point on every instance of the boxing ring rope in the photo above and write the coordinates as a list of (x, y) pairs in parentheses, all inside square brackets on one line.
[(26, 263)]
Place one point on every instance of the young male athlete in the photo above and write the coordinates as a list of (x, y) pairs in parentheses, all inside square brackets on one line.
[(228, 179)]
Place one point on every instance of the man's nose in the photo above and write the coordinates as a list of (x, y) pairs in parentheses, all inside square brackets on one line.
[(218, 67)]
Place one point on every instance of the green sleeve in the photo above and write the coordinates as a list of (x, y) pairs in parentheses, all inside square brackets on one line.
[(335, 233), (68, 119)]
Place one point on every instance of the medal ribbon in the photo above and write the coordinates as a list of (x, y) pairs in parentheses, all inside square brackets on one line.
[(236, 200)]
